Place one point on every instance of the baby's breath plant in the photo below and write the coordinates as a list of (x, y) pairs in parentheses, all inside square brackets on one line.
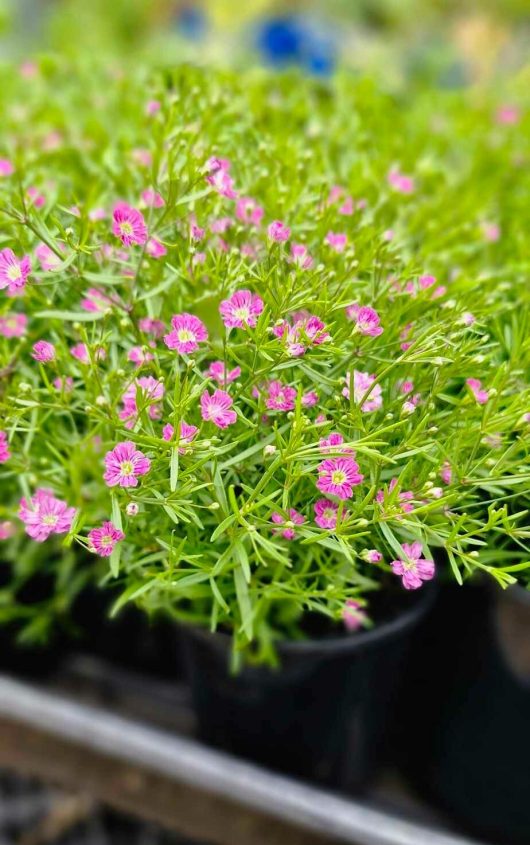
[(263, 342)]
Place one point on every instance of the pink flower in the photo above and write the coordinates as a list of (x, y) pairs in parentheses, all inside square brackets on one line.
[(44, 515), (217, 371), (132, 509), (491, 231), (353, 615), (96, 301), (129, 224), (65, 383), (43, 351), (150, 391), (347, 207), (326, 513), (248, 211), (508, 115), (13, 325), (338, 476), (446, 473), (219, 177), (404, 497), (5, 454), (155, 248), (305, 331), (47, 258), (153, 199), (241, 310), (35, 197), (102, 540), (217, 408), (6, 168), (124, 464), (280, 397), (333, 442), (372, 556), (188, 331), (278, 231), (475, 386), (97, 214), (13, 271), (309, 399), (142, 157), (401, 183), (220, 225), (301, 257), (152, 107), (81, 352), (139, 356), (412, 568), (337, 241), (152, 327), (362, 382), (187, 434), (366, 319), (288, 532), (196, 232), (7, 529)]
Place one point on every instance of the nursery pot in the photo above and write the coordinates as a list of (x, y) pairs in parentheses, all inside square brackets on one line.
[(322, 715), (471, 682)]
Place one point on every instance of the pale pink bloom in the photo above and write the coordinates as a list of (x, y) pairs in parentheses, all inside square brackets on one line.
[(35, 197), (337, 241), (13, 271), (188, 433), (64, 383), (288, 532), (248, 211), (152, 198), (132, 509), (309, 399), (217, 371), (372, 556), (249, 251), (102, 540), (468, 319), (137, 355), (353, 615), (407, 387), (142, 157), (13, 325), (6, 168), (155, 248), (150, 391), (124, 464), (7, 529), (43, 351), (198, 258), (241, 310), (404, 497), (152, 107), (367, 320), (305, 331), (96, 301), (5, 454), (426, 281), (389, 235), (278, 231), (412, 568), (219, 177), (43, 515), (187, 332), (338, 476), (405, 337), (335, 193), (81, 352), (508, 115), (475, 386), (97, 214), (220, 225), (441, 290), (47, 258), (196, 232), (222, 245), (28, 69), (362, 382), (491, 231), (129, 224), (326, 513), (217, 408), (400, 182), (446, 473), (152, 327), (280, 397), (301, 257), (347, 207)]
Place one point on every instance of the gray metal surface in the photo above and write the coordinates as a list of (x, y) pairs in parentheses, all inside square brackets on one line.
[(188, 762)]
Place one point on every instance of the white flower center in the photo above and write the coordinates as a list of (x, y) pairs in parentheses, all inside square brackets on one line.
[(126, 468)]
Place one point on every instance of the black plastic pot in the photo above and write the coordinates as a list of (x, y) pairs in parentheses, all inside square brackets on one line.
[(322, 716), (470, 678)]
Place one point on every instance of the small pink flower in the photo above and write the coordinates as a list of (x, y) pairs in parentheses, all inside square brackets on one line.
[(43, 352), (102, 540), (43, 515), (468, 319), (305, 331), (491, 231), (97, 214), (35, 197), (217, 371), (217, 408), (278, 231), (96, 301), (64, 383), (150, 391), (7, 529), (13, 325), (446, 473), (309, 399), (156, 328), (301, 257), (241, 310), (6, 168), (152, 107), (248, 211), (139, 356), (188, 331), (129, 224), (362, 382), (155, 248), (337, 241), (366, 319), (14, 271), (347, 208), (338, 476), (353, 615), (400, 182), (508, 115), (124, 464), (188, 433), (153, 199), (333, 443), (280, 397), (372, 556), (475, 386), (81, 352), (219, 178), (142, 157), (288, 532), (326, 513), (5, 454), (47, 258), (404, 497), (412, 568), (132, 509)]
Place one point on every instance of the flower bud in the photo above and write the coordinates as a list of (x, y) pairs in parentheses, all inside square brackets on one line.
[(132, 509)]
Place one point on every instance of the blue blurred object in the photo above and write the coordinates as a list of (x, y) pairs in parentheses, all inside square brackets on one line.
[(292, 40), (191, 22)]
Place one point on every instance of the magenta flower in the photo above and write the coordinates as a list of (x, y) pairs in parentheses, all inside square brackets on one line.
[(353, 615), (151, 392), (412, 568), (102, 540), (6, 168), (280, 397), (217, 408), (152, 198), (400, 182), (44, 515), (81, 352), (13, 325), (305, 331), (188, 331), (248, 211), (129, 224), (35, 197), (309, 399), (475, 386), (365, 318), (65, 383), (155, 248), (278, 232), (219, 178), (47, 258), (217, 371), (326, 513), (96, 301), (5, 454), (404, 497), (139, 356), (508, 115), (362, 382), (221, 225), (446, 473), (333, 443), (13, 271), (152, 327), (372, 556), (301, 257), (188, 433), (124, 464), (43, 351), (338, 476), (288, 532), (241, 310), (337, 241)]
